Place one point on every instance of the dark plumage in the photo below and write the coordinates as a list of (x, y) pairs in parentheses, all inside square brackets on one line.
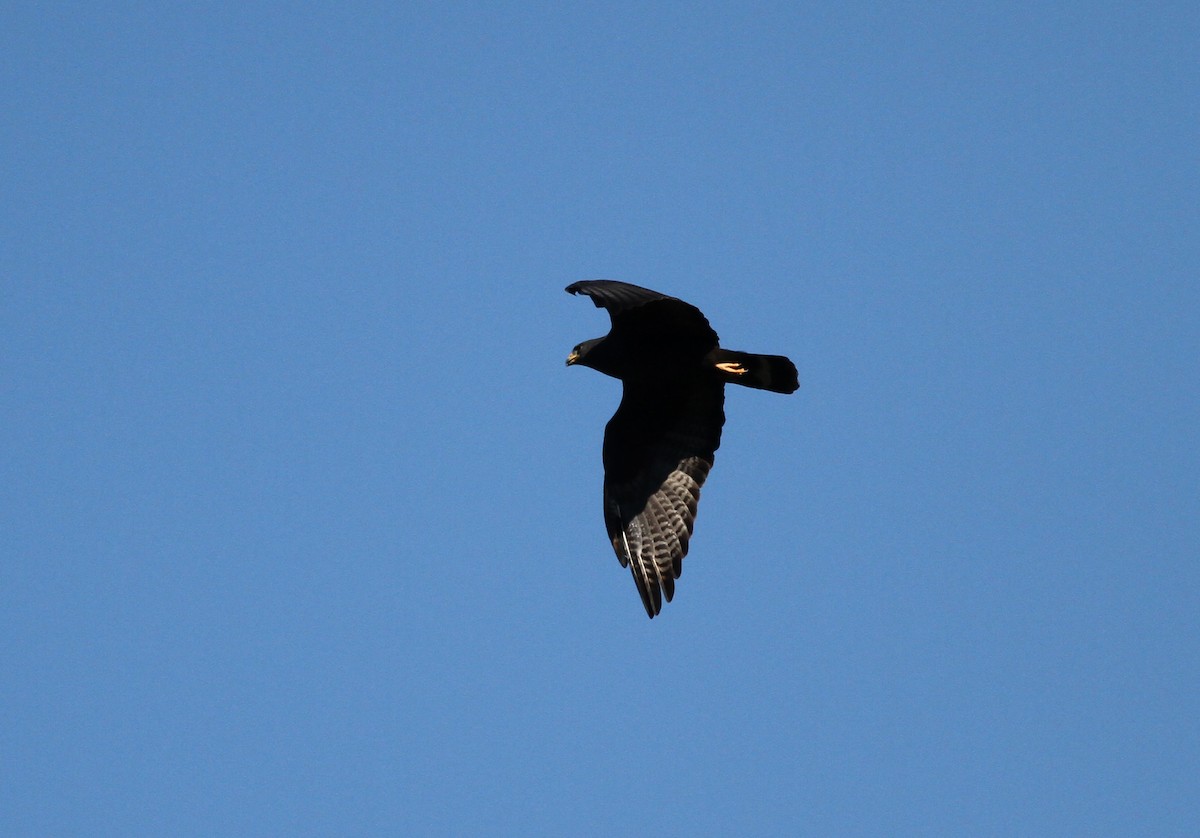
[(659, 446)]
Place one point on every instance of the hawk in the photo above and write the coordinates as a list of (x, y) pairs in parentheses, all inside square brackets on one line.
[(659, 445)]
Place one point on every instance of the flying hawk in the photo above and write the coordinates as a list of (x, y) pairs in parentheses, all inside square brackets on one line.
[(659, 446)]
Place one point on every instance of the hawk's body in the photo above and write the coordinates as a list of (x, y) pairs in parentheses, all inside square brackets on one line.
[(660, 444)]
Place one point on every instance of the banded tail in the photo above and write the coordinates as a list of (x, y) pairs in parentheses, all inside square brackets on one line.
[(762, 372)]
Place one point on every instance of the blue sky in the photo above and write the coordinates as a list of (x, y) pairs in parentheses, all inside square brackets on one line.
[(301, 513)]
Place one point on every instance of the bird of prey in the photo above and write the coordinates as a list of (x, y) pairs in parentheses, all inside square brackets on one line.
[(659, 446)]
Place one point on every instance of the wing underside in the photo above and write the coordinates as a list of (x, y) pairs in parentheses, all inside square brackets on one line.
[(658, 450), (653, 542)]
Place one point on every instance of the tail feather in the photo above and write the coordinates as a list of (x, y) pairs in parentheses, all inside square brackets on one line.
[(762, 372)]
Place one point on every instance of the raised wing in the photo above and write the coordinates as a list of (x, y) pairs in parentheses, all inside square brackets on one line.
[(615, 296), (646, 320), (658, 450)]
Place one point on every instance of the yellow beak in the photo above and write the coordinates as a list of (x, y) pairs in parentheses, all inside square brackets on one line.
[(572, 358)]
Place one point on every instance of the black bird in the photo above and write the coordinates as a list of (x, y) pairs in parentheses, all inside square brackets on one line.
[(659, 446)]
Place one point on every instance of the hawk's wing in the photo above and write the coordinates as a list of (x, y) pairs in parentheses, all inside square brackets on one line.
[(658, 449), (642, 316), (615, 296)]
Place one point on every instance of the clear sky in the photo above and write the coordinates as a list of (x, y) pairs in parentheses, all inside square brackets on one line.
[(300, 519)]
